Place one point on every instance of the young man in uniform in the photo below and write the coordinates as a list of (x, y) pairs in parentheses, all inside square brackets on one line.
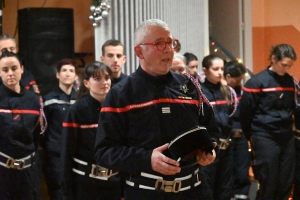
[(113, 56), (144, 113)]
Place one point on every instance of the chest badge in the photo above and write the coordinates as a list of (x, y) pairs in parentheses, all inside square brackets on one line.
[(184, 88)]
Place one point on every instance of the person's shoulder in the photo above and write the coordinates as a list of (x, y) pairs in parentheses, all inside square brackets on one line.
[(51, 94), (32, 97), (27, 74), (257, 79)]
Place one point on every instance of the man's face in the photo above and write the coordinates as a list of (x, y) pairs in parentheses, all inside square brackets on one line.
[(178, 66), (113, 57), (10, 71), (192, 68), (155, 62), (8, 44)]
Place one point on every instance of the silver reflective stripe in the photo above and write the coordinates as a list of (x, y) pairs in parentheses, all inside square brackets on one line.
[(78, 171), (298, 131), (150, 176), (80, 161), (56, 101), (241, 196)]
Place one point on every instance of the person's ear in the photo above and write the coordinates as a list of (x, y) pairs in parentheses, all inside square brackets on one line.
[(22, 68), (273, 59), (124, 58), (102, 58), (138, 52), (227, 77), (86, 84)]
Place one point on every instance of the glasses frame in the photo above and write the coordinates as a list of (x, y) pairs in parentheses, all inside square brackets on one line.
[(155, 43)]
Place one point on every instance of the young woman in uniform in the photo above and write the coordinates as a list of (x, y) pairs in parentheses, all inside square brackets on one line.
[(19, 131), (81, 177), (267, 107), (219, 175)]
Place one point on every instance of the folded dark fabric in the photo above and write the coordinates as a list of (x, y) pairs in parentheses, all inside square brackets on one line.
[(185, 146)]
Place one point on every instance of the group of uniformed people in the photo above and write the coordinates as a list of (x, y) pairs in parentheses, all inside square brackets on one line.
[(124, 151)]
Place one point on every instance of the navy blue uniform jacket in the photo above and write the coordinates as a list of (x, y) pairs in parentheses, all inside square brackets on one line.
[(267, 105), (19, 122), (56, 105), (144, 112)]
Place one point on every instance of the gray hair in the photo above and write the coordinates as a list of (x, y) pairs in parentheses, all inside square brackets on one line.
[(7, 37), (140, 31), (180, 56)]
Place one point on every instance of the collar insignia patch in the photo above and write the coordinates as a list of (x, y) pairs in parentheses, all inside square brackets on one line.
[(184, 88)]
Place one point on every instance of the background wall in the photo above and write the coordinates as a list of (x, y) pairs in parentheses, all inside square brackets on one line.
[(83, 29), (188, 23), (275, 22)]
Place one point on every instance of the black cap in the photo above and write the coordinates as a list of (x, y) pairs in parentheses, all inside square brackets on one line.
[(185, 146)]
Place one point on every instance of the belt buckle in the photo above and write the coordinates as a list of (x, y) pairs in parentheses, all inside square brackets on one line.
[(101, 171), (168, 186), (178, 183), (224, 143), (15, 164)]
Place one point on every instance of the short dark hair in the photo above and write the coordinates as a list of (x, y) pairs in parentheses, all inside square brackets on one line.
[(234, 68), (189, 57), (111, 42), (6, 53), (66, 61)]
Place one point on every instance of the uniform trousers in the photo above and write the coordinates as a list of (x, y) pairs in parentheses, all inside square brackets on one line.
[(273, 166), (296, 192), (19, 184), (218, 177), (133, 193), (91, 188), (51, 168), (241, 160)]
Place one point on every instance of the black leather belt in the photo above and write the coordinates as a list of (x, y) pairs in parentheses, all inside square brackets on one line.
[(92, 170), (153, 182), (21, 163)]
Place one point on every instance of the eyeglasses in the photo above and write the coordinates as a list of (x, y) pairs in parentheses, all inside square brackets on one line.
[(161, 45)]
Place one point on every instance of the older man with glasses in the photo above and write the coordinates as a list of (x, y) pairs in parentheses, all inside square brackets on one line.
[(142, 114)]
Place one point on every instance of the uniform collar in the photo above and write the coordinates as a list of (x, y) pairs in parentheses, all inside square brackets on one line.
[(211, 85), (63, 96), (93, 102), (8, 92), (157, 80), (275, 75)]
